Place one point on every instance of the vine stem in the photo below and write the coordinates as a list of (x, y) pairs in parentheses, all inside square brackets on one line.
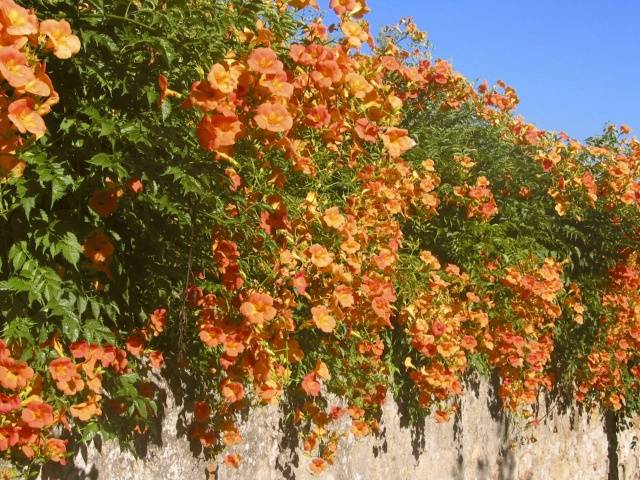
[(184, 316), (119, 17)]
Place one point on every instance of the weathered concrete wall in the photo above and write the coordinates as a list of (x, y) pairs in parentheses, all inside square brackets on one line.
[(476, 446)]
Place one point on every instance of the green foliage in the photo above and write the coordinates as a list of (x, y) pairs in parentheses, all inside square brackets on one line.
[(115, 132), (108, 127)]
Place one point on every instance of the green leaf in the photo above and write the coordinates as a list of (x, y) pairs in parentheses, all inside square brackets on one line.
[(16, 284), (18, 329), (165, 109), (71, 248), (81, 304), (95, 308), (96, 332), (59, 187), (107, 127), (141, 407), (71, 326), (18, 255), (103, 160), (27, 203)]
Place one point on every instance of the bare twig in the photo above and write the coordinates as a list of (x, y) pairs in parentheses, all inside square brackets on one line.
[(184, 315)]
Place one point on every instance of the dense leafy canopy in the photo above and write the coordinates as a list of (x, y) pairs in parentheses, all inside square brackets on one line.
[(291, 214)]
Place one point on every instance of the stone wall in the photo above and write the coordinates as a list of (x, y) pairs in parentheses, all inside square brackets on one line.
[(475, 446)]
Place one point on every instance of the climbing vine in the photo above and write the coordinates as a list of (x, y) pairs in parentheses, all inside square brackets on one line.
[(291, 213)]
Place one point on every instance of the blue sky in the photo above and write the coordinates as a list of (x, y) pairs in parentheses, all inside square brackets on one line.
[(574, 63)]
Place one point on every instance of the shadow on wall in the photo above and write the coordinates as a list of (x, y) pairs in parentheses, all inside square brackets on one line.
[(183, 387), (179, 385)]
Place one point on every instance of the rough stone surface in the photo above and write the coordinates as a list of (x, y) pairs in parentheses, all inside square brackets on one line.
[(475, 446)]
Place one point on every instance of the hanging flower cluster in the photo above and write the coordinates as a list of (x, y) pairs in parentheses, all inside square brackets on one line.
[(27, 419), (522, 346), (613, 364), (26, 91), (445, 323), (334, 274), (329, 275)]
